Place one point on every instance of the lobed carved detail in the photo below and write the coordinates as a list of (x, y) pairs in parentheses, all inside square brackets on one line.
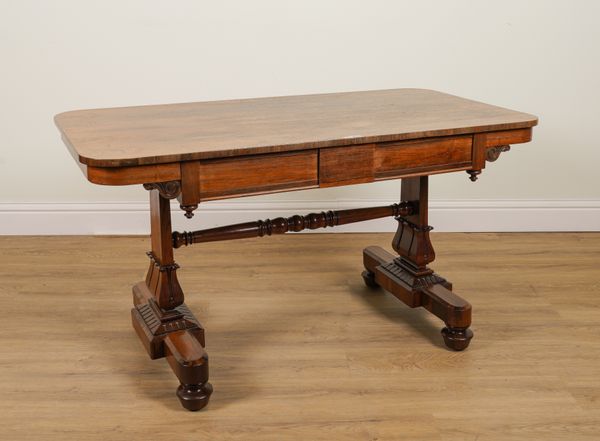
[(494, 153), (179, 319), (162, 268), (397, 270), (168, 190), (491, 155)]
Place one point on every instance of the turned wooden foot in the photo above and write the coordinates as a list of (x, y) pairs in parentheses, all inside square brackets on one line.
[(407, 275), (428, 290), (194, 396), (457, 338), (369, 279), (189, 362), (165, 325)]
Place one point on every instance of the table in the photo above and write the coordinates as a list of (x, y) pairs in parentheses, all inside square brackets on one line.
[(204, 151)]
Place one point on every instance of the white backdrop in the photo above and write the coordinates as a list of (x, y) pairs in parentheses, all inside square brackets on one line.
[(541, 57)]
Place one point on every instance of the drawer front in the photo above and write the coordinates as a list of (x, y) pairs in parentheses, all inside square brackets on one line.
[(240, 176), (346, 165), (410, 157), (371, 162)]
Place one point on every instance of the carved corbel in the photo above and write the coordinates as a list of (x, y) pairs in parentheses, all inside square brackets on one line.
[(494, 153), (172, 190), (168, 190), (491, 154)]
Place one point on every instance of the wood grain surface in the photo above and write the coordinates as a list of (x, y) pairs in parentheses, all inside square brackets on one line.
[(143, 135), (257, 174), (299, 348)]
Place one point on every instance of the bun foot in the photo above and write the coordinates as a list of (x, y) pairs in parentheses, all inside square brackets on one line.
[(194, 396), (369, 279), (456, 338)]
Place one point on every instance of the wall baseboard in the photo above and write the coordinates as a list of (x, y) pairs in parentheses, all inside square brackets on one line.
[(445, 215)]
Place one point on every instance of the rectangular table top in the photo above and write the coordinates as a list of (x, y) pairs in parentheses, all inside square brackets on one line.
[(127, 136)]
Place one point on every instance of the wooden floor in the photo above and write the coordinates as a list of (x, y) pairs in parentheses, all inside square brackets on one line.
[(299, 348)]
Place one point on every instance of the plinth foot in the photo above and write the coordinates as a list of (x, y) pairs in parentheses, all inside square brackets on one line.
[(427, 290), (178, 336)]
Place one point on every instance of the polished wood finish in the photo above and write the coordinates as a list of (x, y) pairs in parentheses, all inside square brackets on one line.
[(411, 157), (197, 152), (343, 166), (409, 278), (479, 154), (488, 146), (373, 162), (257, 174), (302, 350), (365, 163), (297, 223), (162, 274), (132, 175), (189, 198), (142, 135), (153, 324), (507, 137), (177, 335), (411, 240), (430, 291), (189, 362), (164, 324)]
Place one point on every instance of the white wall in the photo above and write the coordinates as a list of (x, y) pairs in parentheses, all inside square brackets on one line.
[(541, 57)]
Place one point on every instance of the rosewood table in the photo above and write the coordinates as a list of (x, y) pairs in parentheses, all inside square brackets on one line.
[(198, 152)]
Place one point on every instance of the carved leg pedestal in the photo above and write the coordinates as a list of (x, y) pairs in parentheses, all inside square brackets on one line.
[(408, 278), (178, 336), (168, 329), (431, 292), (165, 325)]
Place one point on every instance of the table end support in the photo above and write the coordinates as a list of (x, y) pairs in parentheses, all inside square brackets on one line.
[(161, 319), (431, 291), (408, 277), (177, 336)]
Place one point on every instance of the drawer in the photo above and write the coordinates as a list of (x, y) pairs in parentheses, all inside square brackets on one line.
[(427, 155), (346, 165), (371, 162), (247, 175)]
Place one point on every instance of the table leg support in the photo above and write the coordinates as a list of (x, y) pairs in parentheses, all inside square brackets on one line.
[(163, 322), (407, 276), (177, 336), (432, 292), (189, 361)]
